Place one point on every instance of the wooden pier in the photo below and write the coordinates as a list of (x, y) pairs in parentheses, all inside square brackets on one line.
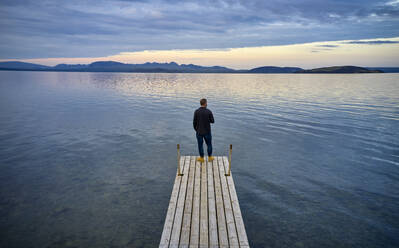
[(204, 210)]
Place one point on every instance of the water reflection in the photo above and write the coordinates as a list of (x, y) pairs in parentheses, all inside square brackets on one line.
[(88, 159)]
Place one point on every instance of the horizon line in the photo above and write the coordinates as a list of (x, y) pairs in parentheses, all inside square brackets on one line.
[(382, 51)]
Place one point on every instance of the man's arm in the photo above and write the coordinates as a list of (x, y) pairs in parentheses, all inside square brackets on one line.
[(195, 121), (211, 118)]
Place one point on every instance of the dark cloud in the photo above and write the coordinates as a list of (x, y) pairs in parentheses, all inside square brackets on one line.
[(372, 42), (330, 46), (51, 28), (325, 47)]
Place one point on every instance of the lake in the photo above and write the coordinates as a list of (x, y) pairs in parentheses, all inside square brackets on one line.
[(89, 159)]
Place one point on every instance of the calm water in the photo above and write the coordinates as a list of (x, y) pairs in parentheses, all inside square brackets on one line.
[(88, 159)]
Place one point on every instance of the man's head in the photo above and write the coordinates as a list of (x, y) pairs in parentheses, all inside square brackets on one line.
[(203, 102)]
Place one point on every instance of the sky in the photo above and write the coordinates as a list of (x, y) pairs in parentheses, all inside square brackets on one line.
[(234, 33)]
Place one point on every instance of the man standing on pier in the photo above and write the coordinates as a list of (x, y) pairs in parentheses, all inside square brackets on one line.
[(203, 118)]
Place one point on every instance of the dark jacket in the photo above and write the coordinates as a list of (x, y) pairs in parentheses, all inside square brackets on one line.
[(203, 118)]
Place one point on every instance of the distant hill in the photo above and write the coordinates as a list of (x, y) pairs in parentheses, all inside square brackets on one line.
[(385, 69), (274, 69), (340, 69), (172, 67), (112, 66), (66, 67), (154, 67), (17, 65)]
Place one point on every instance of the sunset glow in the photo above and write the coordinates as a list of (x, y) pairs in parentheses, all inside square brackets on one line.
[(309, 55)]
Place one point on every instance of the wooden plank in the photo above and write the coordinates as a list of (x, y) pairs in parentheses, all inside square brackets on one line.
[(177, 223), (170, 216), (221, 219), (204, 210), (231, 225), (204, 207), (242, 235), (195, 217), (186, 225), (213, 228)]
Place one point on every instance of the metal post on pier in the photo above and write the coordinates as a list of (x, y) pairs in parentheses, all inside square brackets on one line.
[(178, 161), (230, 151)]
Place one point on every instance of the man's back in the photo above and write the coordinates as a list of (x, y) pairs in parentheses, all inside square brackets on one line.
[(203, 118)]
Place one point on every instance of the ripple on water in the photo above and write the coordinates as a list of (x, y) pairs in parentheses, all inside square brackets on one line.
[(89, 159)]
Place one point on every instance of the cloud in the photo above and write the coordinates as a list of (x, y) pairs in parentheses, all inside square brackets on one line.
[(302, 55), (323, 47), (330, 46), (73, 28), (373, 42)]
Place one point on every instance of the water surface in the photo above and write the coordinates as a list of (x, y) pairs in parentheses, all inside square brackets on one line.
[(88, 159)]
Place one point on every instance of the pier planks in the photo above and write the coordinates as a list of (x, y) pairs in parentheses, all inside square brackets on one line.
[(204, 210)]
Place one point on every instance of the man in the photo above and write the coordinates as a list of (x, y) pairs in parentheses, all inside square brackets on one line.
[(203, 118)]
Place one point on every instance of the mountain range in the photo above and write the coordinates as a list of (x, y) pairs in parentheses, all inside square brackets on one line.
[(172, 67)]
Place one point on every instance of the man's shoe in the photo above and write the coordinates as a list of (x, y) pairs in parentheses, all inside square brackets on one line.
[(210, 158), (200, 159)]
